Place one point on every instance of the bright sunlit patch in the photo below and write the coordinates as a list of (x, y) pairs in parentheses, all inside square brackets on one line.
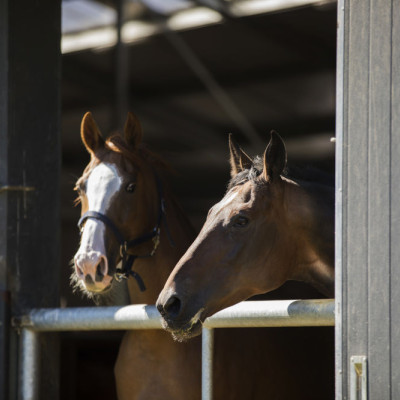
[(94, 39), (193, 18), (245, 8), (134, 31)]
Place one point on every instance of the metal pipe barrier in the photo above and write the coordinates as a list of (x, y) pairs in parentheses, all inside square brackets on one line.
[(248, 314)]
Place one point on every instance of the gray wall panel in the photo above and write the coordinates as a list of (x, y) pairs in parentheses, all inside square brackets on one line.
[(395, 205), (357, 179), (368, 209), (379, 135)]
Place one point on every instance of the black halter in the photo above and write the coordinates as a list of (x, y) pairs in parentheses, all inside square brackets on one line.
[(128, 259)]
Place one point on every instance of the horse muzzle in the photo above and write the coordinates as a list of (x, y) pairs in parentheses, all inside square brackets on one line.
[(179, 322), (92, 270)]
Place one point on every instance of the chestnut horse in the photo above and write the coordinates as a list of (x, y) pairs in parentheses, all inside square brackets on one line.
[(268, 229), (132, 226)]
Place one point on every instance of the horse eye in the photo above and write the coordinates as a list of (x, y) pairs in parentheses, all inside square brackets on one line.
[(240, 221), (130, 187)]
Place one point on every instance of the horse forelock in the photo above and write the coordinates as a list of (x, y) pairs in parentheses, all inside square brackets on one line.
[(117, 144), (251, 174), (137, 156)]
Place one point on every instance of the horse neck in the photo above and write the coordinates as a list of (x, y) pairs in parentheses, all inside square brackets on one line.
[(175, 237), (315, 241)]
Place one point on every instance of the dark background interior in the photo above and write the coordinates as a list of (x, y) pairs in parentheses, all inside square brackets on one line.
[(279, 70)]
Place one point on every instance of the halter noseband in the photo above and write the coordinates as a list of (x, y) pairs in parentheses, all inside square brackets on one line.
[(128, 259)]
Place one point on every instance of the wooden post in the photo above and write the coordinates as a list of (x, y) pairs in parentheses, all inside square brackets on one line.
[(29, 174), (368, 193)]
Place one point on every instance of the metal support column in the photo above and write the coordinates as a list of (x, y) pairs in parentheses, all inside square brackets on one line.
[(207, 356), (30, 360)]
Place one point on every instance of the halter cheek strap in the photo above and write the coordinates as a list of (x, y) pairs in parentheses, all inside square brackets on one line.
[(128, 259)]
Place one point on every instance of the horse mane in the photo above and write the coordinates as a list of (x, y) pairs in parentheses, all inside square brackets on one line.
[(295, 173)]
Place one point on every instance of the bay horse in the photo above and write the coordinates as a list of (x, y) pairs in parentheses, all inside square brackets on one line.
[(132, 226), (269, 228)]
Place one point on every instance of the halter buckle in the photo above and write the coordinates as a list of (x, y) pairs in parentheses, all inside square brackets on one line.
[(119, 276)]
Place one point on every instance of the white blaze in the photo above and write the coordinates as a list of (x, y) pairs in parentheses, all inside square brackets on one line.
[(102, 184)]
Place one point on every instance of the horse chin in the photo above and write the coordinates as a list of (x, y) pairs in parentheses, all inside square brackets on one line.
[(94, 289), (184, 333), (99, 291), (115, 294)]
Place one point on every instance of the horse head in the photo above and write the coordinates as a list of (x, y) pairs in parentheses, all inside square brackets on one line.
[(260, 235), (120, 204)]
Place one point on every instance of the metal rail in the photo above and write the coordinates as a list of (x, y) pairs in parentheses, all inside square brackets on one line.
[(249, 314)]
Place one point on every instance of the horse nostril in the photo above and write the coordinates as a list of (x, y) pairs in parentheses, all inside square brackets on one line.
[(99, 274), (172, 307), (89, 280), (101, 270)]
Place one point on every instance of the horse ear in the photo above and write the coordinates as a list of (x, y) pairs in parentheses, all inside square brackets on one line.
[(274, 158), (133, 130), (90, 134), (238, 158)]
